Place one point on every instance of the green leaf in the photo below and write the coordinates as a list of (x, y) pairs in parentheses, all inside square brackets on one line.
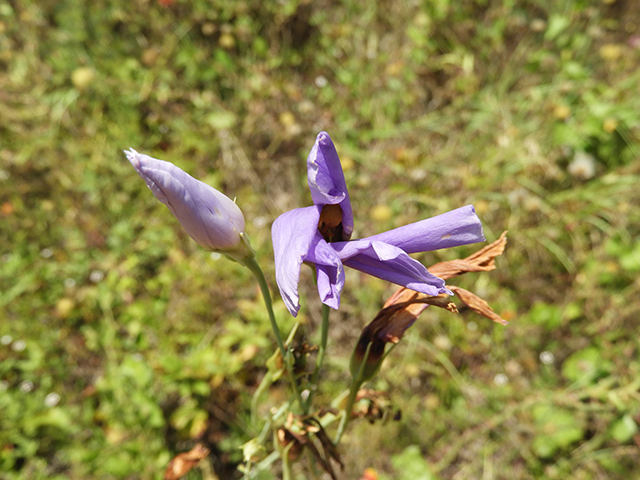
[(630, 261), (53, 417), (221, 120), (411, 465), (546, 315), (252, 451), (623, 429), (557, 25), (557, 428), (585, 365)]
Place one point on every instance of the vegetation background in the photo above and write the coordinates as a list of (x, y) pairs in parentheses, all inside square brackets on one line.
[(123, 343)]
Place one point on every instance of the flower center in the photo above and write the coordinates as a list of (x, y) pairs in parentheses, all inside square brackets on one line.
[(330, 224)]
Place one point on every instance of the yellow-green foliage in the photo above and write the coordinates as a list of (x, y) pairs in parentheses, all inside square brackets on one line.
[(527, 109)]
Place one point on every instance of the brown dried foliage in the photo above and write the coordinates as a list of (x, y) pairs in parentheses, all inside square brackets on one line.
[(299, 433), (182, 463), (404, 306), (481, 261)]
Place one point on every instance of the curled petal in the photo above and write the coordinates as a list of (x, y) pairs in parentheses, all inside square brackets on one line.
[(452, 229), (292, 234), (326, 180), (329, 270), (212, 219), (390, 263)]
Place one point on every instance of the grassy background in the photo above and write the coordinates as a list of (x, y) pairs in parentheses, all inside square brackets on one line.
[(122, 342)]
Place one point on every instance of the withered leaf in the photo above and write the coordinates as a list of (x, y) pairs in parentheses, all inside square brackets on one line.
[(400, 311), (183, 462), (329, 449), (376, 407), (403, 308), (481, 261), (305, 441), (309, 428), (286, 437), (477, 304)]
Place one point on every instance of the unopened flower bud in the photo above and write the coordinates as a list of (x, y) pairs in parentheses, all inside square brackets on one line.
[(212, 219)]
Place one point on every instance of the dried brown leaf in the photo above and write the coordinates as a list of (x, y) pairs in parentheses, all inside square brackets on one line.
[(183, 462), (286, 437), (400, 311), (477, 304), (403, 308), (309, 428), (481, 261), (370, 394), (402, 295), (329, 449), (324, 463)]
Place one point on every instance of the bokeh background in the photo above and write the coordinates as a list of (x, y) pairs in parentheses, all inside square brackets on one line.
[(122, 342)]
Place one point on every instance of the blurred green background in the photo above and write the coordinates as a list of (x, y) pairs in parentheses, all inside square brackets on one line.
[(122, 342)]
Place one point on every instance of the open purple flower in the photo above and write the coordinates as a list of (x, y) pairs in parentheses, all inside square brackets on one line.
[(320, 235), (212, 219)]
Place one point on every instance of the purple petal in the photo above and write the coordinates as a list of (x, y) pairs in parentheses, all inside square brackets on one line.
[(451, 229), (212, 219), (292, 234), (326, 180), (389, 263), (329, 270)]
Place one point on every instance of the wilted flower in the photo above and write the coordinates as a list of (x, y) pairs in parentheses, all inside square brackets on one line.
[(398, 314), (404, 307), (320, 235), (212, 219), (373, 405)]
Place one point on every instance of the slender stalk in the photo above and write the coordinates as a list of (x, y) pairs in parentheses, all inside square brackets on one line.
[(286, 466), (356, 383), (252, 265), (266, 382), (346, 415), (324, 335)]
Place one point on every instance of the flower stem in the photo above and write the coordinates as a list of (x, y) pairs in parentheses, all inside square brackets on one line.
[(252, 265), (266, 382), (354, 388), (284, 456), (346, 415), (324, 335)]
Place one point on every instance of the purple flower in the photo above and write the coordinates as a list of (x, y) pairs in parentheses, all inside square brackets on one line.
[(212, 219), (320, 235)]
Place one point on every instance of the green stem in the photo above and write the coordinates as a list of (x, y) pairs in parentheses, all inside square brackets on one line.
[(324, 335), (346, 415), (252, 265), (356, 383), (284, 456), (266, 382)]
